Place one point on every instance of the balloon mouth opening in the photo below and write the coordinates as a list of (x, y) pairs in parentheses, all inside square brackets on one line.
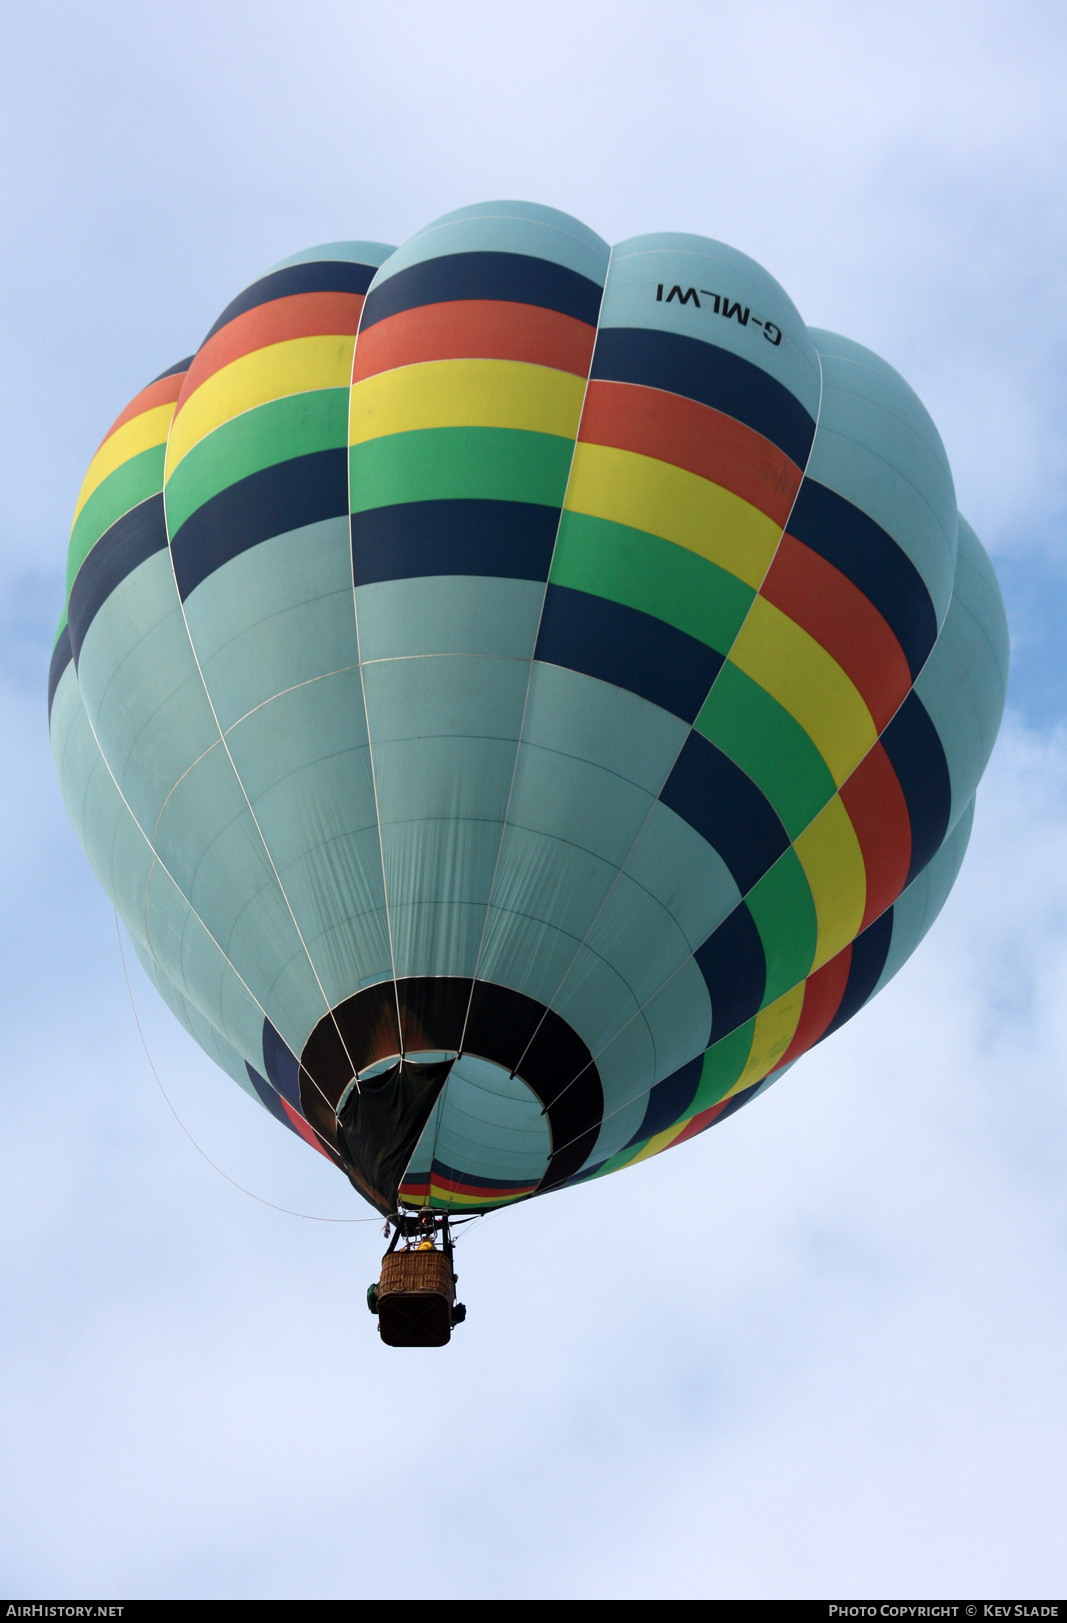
[(529, 1056)]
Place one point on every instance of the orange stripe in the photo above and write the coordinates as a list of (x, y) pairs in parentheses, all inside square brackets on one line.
[(843, 621), (306, 1133), (301, 315), (475, 329), (878, 811), (693, 436), (159, 393), (822, 999), (698, 1123)]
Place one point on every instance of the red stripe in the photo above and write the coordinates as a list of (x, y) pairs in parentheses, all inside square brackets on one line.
[(699, 1122), (822, 999), (690, 435), (476, 329), (302, 1128), (160, 393), (301, 315), (845, 622), (476, 1189), (875, 802)]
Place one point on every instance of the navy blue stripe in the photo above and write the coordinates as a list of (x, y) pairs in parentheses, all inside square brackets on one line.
[(516, 278), (869, 953), (273, 501), (733, 964), (281, 1065), (627, 648), (269, 1098), (669, 1100), (724, 806), (869, 557), (716, 377), (737, 1101), (513, 540), (319, 276), (130, 540), (179, 366), (918, 759), (440, 1170), (62, 654)]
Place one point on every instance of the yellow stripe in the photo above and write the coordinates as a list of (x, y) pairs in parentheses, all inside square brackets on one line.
[(292, 367), (797, 671), (466, 394), (771, 1037), (138, 435), (659, 1141), (673, 503), (437, 1192), (832, 860)]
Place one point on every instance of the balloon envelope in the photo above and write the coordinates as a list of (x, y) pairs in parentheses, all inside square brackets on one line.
[(521, 694)]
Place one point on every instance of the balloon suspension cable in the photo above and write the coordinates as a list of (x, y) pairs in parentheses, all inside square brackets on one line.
[(310, 1217)]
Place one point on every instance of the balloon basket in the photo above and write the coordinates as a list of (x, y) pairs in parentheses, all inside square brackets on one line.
[(415, 1298)]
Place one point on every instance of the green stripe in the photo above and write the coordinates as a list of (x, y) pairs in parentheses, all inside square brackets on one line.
[(723, 1063), (133, 482), (295, 426), (765, 742), (443, 464), (782, 905), (647, 573)]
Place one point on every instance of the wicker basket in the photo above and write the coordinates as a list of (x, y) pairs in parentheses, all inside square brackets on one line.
[(415, 1297)]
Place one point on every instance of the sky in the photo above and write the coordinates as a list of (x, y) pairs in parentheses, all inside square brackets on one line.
[(816, 1352)]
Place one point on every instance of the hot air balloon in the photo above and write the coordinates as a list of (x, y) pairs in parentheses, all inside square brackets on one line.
[(520, 695)]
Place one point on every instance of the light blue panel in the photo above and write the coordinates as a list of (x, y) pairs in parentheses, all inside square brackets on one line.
[(449, 614), (877, 446), (577, 802), (305, 766), (274, 616), (627, 1071), (948, 699), (212, 848), (775, 1076), (505, 227), (977, 586), (197, 966), (580, 716), (917, 908), (637, 936), (356, 253), (436, 938), (961, 685), (418, 1166), (491, 1125), (543, 877), (75, 754), (679, 1018), (440, 859), (596, 1001), (202, 1031), (448, 697), (439, 874), (684, 873), (640, 264), (294, 1003), (443, 777), (527, 955), (141, 688), (342, 953)]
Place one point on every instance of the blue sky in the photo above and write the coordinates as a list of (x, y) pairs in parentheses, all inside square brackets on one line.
[(847, 1380)]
